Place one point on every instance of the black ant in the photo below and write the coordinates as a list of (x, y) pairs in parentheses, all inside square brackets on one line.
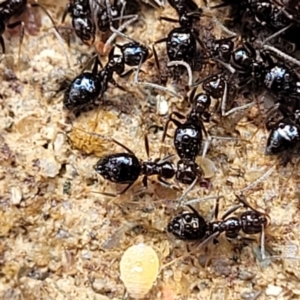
[(88, 87), (82, 20), (191, 226), (182, 41), (125, 168), (188, 135)]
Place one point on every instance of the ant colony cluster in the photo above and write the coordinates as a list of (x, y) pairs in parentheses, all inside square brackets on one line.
[(222, 77)]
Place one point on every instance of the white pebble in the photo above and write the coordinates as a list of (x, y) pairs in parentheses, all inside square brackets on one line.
[(273, 290), (162, 106), (16, 195)]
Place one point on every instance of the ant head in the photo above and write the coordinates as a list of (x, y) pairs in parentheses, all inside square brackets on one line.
[(188, 226), (201, 102), (283, 137), (242, 58)]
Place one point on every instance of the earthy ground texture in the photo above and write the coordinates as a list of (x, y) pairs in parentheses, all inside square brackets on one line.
[(59, 239)]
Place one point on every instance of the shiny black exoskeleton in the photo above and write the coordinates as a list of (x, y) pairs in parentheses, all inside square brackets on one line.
[(182, 41), (103, 17), (251, 68), (188, 135), (280, 79), (191, 226), (9, 9), (88, 87), (134, 54), (85, 89), (82, 20), (284, 135), (125, 168), (221, 49)]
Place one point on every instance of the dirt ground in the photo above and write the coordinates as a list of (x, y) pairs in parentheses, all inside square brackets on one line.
[(60, 239)]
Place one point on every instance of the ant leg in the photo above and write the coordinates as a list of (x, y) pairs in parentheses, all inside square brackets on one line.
[(225, 113), (168, 19), (155, 53), (126, 189), (123, 146), (192, 95), (262, 243), (257, 181), (113, 82), (160, 88), (225, 29), (281, 54), (167, 184), (56, 31), (226, 65), (276, 34), (118, 31), (180, 201), (198, 200), (117, 194), (171, 119), (184, 64), (231, 210), (146, 145), (2, 44)]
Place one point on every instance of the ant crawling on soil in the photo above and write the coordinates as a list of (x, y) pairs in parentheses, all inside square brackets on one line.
[(88, 87), (125, 168), (188, 135), (87, 15), (182, 41), (191, 226), (82, 20)]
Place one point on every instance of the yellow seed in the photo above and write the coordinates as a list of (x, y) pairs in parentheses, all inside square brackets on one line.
[(139, 268)]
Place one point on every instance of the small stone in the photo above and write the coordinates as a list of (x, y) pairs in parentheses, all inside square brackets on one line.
[(99, 285), (253, 295), (246, 275), (162, 106), (49, 167), (273, 290), (16, 195)]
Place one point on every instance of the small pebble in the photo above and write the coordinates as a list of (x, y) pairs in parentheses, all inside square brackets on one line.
[(162, 106), (253, 295), (273, 290), (16, 195), (246, 275)]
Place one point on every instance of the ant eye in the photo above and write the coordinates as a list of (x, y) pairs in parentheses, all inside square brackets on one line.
[(176, 226), (188, 218)]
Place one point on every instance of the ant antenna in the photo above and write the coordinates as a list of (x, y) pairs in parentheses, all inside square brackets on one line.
[(184, 64), (260, 179), (119, 31)]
